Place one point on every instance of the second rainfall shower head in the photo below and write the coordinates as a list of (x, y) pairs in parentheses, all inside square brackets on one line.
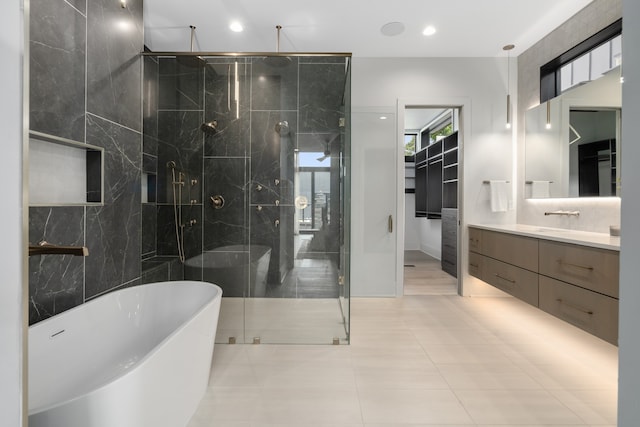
[(209, 128)]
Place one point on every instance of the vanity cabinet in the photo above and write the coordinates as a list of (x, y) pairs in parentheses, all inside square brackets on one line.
[(573, 282), (591, 268)]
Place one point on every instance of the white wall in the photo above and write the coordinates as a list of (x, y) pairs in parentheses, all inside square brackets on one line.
[(629, 339), (477, 83), (411, 238), (11, 258)]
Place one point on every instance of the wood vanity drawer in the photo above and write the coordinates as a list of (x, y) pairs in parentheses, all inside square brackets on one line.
[(475, 240), (516, 281), (475, 265), (591, 268), (590, 311), (512, 249)]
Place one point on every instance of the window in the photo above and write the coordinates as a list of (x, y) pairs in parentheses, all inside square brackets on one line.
[(410, 143), (584, 62), (591, 65), (442, 126)]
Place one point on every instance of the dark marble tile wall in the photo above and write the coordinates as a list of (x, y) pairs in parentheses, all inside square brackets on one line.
[(321, 93), (113, 230), (57, 69), (274, 84), (55, 282), (247, 161), (73, 42), (233, 117), (226, 226), (114, 43)]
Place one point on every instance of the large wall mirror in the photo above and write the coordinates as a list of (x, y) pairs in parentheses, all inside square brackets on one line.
[(572, 142)]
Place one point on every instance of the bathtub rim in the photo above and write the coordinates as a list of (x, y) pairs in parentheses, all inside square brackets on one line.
[(147, 356)]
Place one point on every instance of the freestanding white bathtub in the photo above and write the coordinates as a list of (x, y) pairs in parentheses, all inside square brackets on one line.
[(136, 357)]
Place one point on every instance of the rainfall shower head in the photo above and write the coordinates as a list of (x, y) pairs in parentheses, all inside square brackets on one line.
[(209, 128), (282, 128), (191, 61), (277, 60)]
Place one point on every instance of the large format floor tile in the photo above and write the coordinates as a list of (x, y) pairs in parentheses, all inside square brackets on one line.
[(417, 361)]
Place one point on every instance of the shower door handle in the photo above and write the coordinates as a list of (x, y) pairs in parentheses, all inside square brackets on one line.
[(390, 224)]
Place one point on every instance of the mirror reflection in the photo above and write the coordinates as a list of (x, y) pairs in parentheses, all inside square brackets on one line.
[(572, 142)]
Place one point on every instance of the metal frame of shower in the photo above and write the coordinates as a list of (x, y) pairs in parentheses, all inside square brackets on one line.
[(244, 54)]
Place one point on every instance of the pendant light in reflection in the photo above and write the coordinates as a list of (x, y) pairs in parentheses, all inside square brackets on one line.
[(508, 48), (548, 126)]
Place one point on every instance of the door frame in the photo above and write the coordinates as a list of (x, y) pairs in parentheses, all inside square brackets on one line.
[(463, 104)]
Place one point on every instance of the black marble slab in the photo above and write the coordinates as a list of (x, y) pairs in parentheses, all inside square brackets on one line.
[(274, 83), (181, 82), (272, 152), (226, 226), (114, 65), (114, 230), (321, 97), (57, 49), (180, 142), (150, 93), (55, 281), (149, 228), (232, 116)]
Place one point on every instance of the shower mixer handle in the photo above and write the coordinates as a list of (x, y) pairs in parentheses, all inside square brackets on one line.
[(218, 201)]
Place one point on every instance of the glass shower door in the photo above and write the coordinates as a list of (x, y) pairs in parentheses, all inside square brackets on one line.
[(296, 206), (256, 148)]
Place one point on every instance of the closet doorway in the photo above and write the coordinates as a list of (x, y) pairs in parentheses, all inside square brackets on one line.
[(432, 139)]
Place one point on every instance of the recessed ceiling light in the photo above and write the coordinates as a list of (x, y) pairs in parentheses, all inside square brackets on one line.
[(392, 29), (383, 117), (429, 31), (236, 27)]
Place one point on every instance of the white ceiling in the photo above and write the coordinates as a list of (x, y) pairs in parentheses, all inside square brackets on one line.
[(465, 28)]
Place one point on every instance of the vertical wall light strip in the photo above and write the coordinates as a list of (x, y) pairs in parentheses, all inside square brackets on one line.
[(236, 87), (548, 115), (508, 48)]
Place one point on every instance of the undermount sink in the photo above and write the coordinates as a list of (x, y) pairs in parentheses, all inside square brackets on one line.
[(550, 230)]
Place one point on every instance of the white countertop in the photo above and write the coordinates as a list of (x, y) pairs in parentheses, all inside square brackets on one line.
[(576, 237)]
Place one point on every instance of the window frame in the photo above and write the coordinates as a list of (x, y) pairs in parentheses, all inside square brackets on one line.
[(550, 84)]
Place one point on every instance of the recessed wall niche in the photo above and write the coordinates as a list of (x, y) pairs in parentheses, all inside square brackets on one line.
[(64, 172)]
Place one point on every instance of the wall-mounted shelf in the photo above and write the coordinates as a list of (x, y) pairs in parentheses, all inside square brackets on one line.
[(437, 177), (63, 172)]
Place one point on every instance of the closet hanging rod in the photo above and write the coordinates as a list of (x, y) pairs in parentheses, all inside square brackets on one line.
[(501, 180)]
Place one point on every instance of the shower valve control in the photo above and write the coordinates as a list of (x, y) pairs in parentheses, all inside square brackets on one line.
[(277, 181), (277, 202), (259, 187), (277, 223), (218, 201)]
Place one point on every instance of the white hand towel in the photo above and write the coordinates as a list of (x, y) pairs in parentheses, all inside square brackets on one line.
[(500, 196), (540, 189)]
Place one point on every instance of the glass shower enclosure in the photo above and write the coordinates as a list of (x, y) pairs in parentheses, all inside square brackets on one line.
[(246, 185)]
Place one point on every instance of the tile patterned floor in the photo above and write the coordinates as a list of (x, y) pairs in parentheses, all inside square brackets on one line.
[(421, 360)]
